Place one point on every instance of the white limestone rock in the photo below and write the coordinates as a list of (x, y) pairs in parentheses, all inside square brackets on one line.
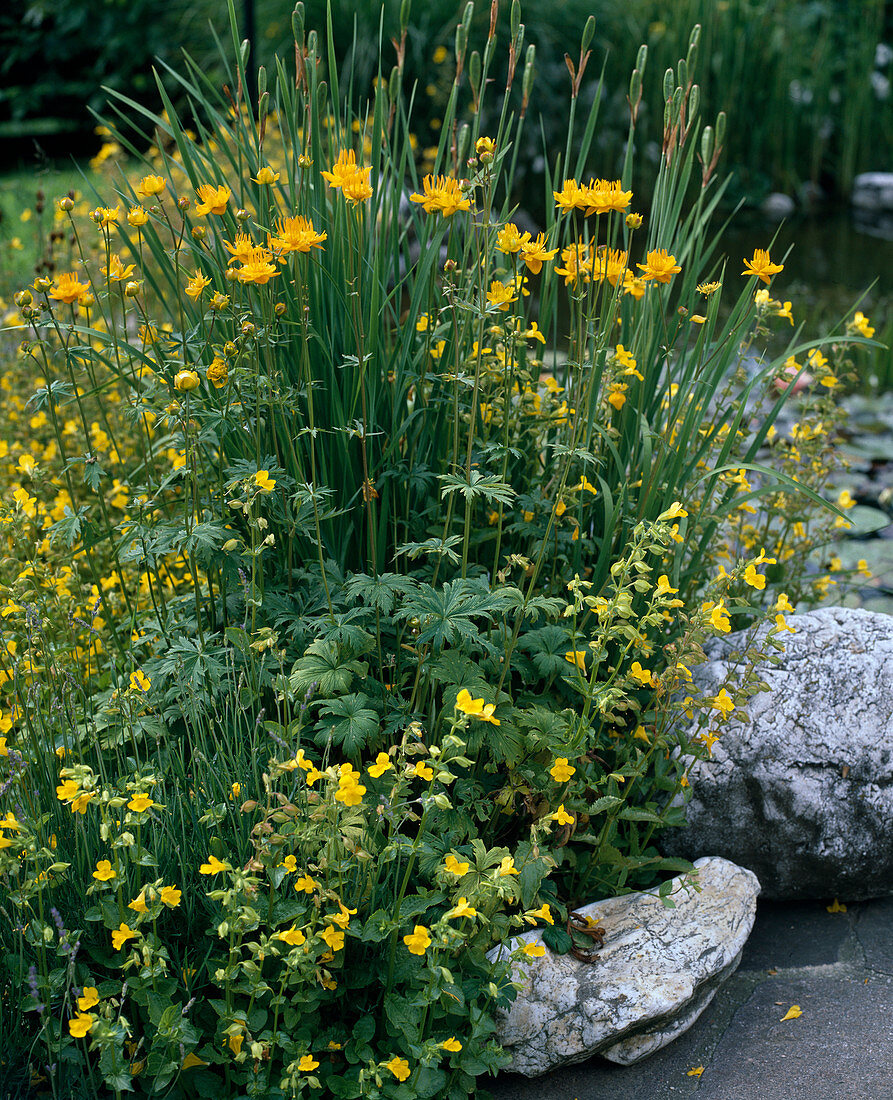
[(801, 792), (657, 970), (873, 191)]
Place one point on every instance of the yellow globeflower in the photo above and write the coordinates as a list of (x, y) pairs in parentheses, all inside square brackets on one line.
[(186, 380), (69, 289), (266, 175), (214, 199), (441, 195), (659, 266), (761, 266), (150, 186), (196, 285)]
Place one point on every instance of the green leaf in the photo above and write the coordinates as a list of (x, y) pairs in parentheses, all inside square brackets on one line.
[(326, 668), (486, 487), (358, 723)]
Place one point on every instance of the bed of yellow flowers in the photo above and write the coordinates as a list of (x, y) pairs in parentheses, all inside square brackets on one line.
[(358, 546)]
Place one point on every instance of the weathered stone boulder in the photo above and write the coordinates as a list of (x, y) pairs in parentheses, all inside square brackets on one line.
[(656, 971), (873, 191), (801, 792)]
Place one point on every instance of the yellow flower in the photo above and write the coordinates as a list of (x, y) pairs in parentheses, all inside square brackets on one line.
[(506, 867), (104, 871), (342, 919), (418, 941), (561, 771), (543, 913), (186, 380), (69, 289), (170, 896), (307, 1063), (258, 267), (510, 239), (116, 271), (754, 578), (562, 816), (442, 195), (570, 197), (122, 934), (422, 771), (577, 657), (138, 905), (723, 703), (266, 175), (454, 866), (381, 765), (761, 266), (534, 253), (500, 295), (294, 937), (217, 373), (196, 285), (296, 235), (150, 186), (334, 937), (306, 884), (643, 675), (860, 324), (106, 215), (719, 616), (602, 196), (675, 511), (356, 188), (783, 603), (452, 1045), (82, 1023), (140, 803), (461, 909), (845, 499), (264, 482), (399, 1067), (350, 794), (792, 1013), (476, 708), (137, 216), (89, 997), (213, 866), (708, 288), (663, 586), (659, 266), (343, 168), (67, 789), (214, 199), (534, 950)]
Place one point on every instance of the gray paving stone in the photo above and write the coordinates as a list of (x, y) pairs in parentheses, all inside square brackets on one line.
[(841, 1048), (793, 934), (874, 928)]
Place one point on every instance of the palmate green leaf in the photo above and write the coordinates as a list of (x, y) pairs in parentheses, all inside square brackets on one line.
[(381, 592), (546, 648), (326, 667), (357, 726), (486, 487), (446, 615)]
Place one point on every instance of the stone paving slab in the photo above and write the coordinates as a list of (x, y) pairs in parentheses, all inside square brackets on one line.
[(838, 967)]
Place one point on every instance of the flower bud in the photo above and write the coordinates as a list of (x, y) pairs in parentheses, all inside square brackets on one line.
[(66, 204), (23, 298), (229, 348), (131, 289), (305, 161), (184, 202), (248, 328), (280, 308), (633, 221), (42, 283), (199, 232), (186, 380), (242, 215)]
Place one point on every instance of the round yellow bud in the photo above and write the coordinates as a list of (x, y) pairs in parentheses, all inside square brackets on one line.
[(186, 380)]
